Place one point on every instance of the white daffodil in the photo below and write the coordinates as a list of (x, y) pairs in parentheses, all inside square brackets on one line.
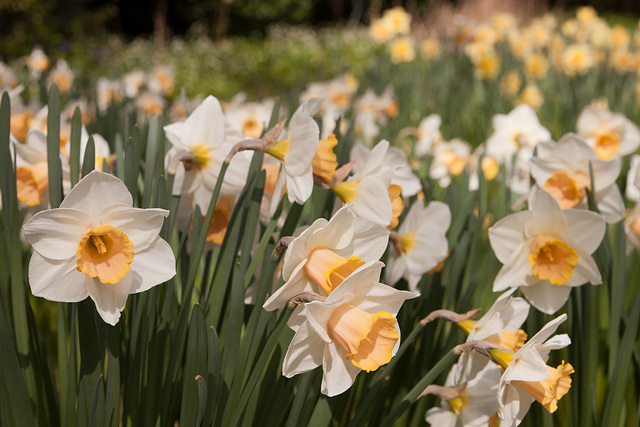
[(428, 134), (96, 244), (468, 398), (450, 158), (32, 171), (200, 146), (527, 377), (609, 134), (562, 169), (395, 159), (352, 330), (516, 134), (632, 228), (546, 251), (249, 118), (326, 253), (632, 189), (368, 190), (420, 243), (296, 151)]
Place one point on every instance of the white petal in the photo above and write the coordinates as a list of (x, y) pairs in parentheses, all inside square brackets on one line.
[(515, 272), (206, 124), (336, 234), (372, 201), (441, 417), (56, 280), (153, 266), (304, 137), (586, 270), (299, 187), (610, 204), (546, 297), (141, 226), (546, 215), (56, 233), (297, 283), (110, 299), (300, 248), (585, 228), (95, 192), (394, 269), (304, 353), (529, 367), (339, 373), (507, 235), (370, 240)]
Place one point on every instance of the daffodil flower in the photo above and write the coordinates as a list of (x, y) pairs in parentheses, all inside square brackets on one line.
[(324, 254), (562, 169), (609, 134), (296, 151), (527, 377), (468, 397), (352, 330), (419, 244), (546, 251), (200, 146), (96, 244)]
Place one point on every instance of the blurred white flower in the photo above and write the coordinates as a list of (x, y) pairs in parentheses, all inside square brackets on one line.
[(609, 134), (562, 169), (546, 251)]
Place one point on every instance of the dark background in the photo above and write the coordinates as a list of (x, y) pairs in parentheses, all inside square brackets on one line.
[(56, 25)]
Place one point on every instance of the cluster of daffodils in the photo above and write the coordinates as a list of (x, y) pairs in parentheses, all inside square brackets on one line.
[(570, 48), (500, 373), (345, 318)]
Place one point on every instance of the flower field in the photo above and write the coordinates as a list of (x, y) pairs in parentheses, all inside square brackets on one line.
[(392, 225)]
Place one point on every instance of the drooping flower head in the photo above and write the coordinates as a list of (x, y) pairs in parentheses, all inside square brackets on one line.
[(326, 253), (96, 244), (352, 330)]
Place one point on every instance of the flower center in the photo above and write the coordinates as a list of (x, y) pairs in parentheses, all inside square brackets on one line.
[(454, 163), (368, 339), (490, 168), (201, 154), (407, 240), (329, 269), (396, 204), (567, 189), (548, 392), (31, 183), (252, 128), (607, 145), (552, 259), (512, 341), (324, 162), (279, 149), (519, 139), (346, 191), (457, 403), (105, 252)]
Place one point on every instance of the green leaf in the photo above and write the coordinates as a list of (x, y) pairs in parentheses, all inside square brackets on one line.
[(195, 366), (53, 148), (89, 161), (74, 147)]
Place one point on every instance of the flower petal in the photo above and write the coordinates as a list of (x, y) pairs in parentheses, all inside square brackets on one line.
[(155, 265), (585, 228), (304, 353), (95, 192), (142, 226), (339, 373), (507, 235), (110, 299), (546, 297), (56, 233), (56, 280)]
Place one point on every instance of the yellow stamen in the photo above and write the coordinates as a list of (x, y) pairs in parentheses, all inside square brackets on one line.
[(607, 145), (329, 269), (567, 189), (548, 392), (407, 240), (202, 155), (31, 183), (396, 204), (325, 161), (346, 191), (279, 150), (552, 259), (457, 403), (105, 252), (368, 339)]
